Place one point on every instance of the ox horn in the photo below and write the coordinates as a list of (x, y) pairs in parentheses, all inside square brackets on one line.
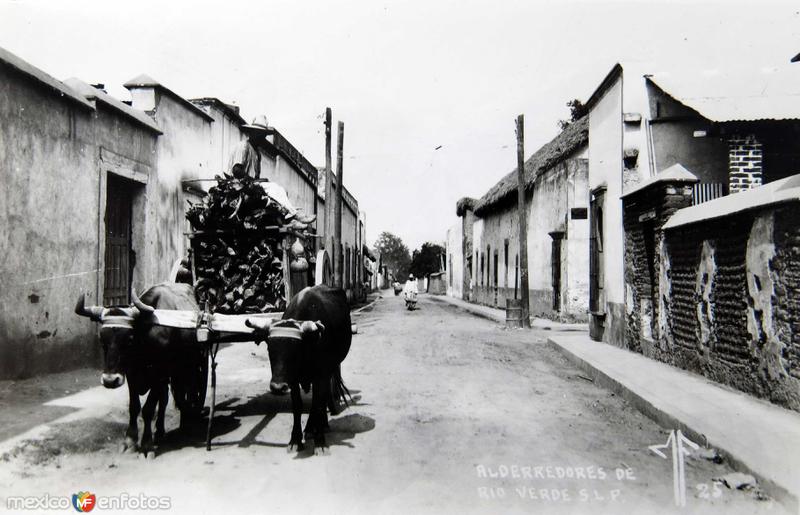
[(259, 324), (93, 312), (141, 306)]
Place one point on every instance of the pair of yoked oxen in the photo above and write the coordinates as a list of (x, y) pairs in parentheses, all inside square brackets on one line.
[(306, 348)]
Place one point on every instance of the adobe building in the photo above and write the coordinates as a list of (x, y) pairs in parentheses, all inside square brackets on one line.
[(65, 151), (556, 211), (94, 198), (708, 244)]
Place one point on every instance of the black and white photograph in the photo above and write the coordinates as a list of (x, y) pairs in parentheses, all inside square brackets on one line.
[(400, 257)]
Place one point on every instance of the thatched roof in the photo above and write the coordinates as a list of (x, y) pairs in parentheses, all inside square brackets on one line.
[(465, 204), (559, 148)]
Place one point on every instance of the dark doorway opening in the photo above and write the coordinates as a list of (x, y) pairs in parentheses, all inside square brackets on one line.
[(596, 253), (555, 268), (119, 257)]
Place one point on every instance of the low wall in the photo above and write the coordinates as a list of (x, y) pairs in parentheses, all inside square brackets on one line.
[(541, 302), (733, 305), (722, 298)]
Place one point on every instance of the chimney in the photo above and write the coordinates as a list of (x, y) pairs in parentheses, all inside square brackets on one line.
[(745, 161)]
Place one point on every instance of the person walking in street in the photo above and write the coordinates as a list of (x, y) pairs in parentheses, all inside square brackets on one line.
[(411, 285), (410, 292)]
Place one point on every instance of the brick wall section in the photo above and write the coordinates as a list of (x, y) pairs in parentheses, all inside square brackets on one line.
[(745, 161)]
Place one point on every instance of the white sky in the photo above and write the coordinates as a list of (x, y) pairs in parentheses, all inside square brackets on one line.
[(404, 76)]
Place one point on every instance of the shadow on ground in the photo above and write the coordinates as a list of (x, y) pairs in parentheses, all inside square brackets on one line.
[(228, 415)]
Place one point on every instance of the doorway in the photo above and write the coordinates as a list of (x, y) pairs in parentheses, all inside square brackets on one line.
[(555, 268), (119, 256)]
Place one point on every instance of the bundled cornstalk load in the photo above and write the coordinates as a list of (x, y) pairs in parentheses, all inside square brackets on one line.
[(237, 246)]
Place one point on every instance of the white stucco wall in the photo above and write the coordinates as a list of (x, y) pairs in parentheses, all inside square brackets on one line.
[(301, 193), (605, 169), (455, 260), (477, 245), (225, 134), (549, 209)]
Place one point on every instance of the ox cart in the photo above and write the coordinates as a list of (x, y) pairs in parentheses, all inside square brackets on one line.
[(214, 328), (249, 255)]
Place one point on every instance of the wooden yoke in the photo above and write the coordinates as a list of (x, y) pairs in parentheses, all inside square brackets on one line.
[(214, 326)]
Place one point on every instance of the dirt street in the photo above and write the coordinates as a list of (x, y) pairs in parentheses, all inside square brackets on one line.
[(452, 414)]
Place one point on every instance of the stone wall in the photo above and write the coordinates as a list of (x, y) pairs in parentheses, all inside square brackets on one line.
[(717, 295), (646, 265), (734, 315)]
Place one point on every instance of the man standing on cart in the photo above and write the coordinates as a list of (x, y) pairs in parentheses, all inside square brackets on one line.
[(245, 160)]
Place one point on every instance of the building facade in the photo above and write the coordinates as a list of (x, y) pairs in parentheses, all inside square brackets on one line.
[(94, 196), (556, 212), (708, 240)]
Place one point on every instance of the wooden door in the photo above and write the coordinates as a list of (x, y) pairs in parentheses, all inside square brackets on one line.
[(596, 261), (555, 269), (118, 266)]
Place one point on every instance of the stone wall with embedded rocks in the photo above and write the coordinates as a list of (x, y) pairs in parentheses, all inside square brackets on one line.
[(732, 301)]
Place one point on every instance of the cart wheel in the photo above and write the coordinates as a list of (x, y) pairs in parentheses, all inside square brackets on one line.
[(197, 384), (324, 271)]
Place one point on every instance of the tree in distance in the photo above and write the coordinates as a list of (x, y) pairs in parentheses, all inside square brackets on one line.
[(394, 254), (427, 260)]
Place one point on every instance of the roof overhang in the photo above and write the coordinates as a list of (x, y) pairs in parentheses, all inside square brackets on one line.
[(134, 115), (52, 84), (609, 80), (777, 192)]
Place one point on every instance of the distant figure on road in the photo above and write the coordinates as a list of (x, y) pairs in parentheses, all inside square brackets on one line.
[(410, 292), (411, 285), (245, 160)]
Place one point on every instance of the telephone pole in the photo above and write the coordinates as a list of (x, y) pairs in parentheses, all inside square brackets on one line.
[(523, 222), (339, 249), (328, 227)]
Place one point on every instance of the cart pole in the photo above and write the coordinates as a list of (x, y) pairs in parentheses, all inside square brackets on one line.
[(523, 225), (213, 348), (328, 227), (338, 250)]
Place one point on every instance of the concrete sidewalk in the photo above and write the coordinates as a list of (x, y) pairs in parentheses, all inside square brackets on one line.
[(499, 315), (753, 435)]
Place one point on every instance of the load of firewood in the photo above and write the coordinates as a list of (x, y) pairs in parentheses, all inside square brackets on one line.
[(238, 232)]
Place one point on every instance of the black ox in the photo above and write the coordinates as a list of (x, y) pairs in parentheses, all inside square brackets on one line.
[(150, 357), (309, 354)]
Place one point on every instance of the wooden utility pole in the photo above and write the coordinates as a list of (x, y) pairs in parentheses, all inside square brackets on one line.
[(328, 227), (523, 225), (338, 247)]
